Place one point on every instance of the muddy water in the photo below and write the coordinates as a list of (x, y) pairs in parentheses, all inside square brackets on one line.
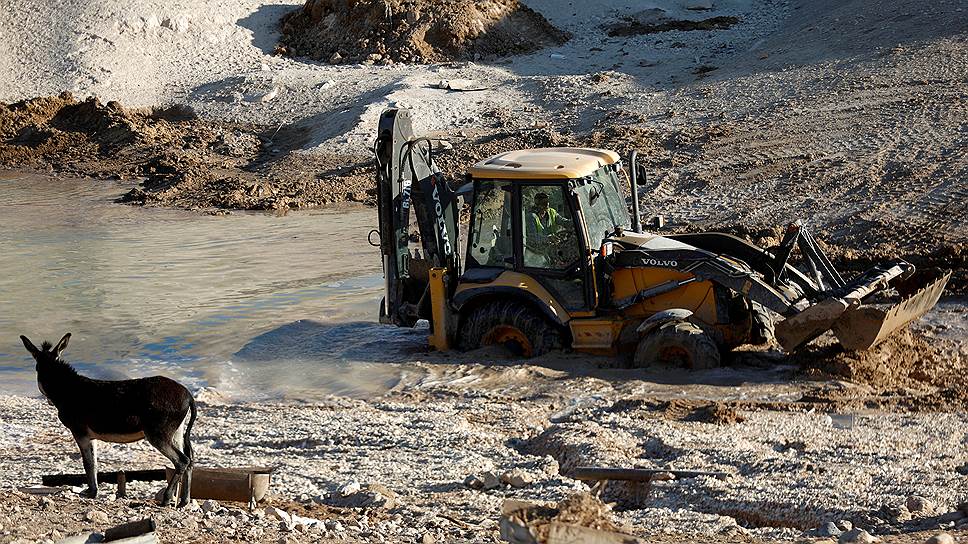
[(251, 304)]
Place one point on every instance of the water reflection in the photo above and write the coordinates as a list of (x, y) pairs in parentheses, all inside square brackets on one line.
[(153, 290)]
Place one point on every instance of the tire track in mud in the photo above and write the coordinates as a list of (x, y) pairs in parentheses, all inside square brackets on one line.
[(874, 164)]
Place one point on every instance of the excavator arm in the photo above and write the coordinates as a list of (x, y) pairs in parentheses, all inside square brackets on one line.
[(417, 220)]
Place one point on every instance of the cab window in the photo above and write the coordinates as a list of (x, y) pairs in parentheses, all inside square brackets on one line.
[(550, 241), (602, 204), (491, 242)]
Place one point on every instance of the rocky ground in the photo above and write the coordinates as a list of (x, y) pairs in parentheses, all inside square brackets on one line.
[(847, 114), (807, 455), (434, 459)]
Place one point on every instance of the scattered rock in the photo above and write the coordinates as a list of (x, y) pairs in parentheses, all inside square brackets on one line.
[(829, 529), (350, 489), (96, 516), (859, 536), (940, 538), (917, 504), (428, 538), (517, 478), (210, 506), (490, 480), (473, 482)]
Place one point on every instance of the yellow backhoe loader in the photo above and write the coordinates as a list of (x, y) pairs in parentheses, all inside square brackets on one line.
[(553, 259)]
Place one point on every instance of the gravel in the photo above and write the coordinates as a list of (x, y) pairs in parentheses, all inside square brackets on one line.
[(407, 462)]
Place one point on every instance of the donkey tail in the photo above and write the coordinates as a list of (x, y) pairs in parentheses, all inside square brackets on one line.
[(188, 428)]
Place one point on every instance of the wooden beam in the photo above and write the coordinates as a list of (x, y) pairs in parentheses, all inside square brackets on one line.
[(155, 475), (128, 530), (560, 533), (636, 474)]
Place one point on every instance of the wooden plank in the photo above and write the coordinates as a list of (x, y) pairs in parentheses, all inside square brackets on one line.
[(636, 474), (91, 538), (153, 475), (43, 490), (560, 533), (147, 538), (128, 530)]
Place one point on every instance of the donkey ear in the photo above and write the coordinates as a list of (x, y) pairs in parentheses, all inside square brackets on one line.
[(30, 346), (62, 345)]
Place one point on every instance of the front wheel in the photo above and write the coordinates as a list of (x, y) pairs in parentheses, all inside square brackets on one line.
[(511, 324), (677, 343)]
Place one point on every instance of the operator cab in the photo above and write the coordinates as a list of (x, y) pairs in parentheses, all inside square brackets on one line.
[(545, 213)]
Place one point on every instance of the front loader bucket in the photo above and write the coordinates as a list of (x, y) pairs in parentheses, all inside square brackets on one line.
[(857, 325), (868, 325)]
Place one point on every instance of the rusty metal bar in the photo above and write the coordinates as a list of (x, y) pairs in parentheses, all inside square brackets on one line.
[(637, 474)]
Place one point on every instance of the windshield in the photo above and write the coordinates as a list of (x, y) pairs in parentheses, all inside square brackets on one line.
[(602, 204)]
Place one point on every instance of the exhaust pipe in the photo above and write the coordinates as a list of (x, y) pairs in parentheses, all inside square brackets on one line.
[(636, 220)]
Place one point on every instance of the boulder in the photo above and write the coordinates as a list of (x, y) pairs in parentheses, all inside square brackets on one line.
[(917, 504), (858, 536)]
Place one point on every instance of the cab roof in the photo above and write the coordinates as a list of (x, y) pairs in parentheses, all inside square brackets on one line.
[(544, 163)]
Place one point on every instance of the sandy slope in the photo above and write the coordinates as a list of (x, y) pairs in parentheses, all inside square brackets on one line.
[(847, 114)]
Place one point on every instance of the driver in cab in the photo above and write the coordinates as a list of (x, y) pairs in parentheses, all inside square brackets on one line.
[(545, 219), (546, 228)]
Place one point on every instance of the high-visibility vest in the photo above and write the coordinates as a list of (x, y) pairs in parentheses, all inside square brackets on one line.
[(552, 222)]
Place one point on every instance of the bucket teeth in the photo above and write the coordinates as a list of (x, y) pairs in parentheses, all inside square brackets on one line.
[(859, 326), (867, 326)]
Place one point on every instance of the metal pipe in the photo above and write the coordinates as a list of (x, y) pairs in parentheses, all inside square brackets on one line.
[(637, 474), (636, 220)]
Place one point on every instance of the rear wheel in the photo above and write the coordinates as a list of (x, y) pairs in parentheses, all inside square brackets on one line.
[(512, 324), (762, 332), (678, 343)]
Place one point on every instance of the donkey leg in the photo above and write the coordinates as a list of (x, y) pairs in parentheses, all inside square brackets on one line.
[(186, 488), (163, 445), (89, 457), (186, 449)]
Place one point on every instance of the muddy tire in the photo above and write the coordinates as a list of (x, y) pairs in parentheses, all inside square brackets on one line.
[(677, 343), (762, 332), (515, 325)]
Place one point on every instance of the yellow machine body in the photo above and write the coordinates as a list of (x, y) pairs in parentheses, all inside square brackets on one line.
[(588, 273)]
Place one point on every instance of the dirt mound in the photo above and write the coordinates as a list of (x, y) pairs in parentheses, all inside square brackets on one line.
[(57, 126), (908, 371), (580, 509), (701, 411), (414, 31), (650, 23), (580, 444), (904, 358), (183, 161)]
